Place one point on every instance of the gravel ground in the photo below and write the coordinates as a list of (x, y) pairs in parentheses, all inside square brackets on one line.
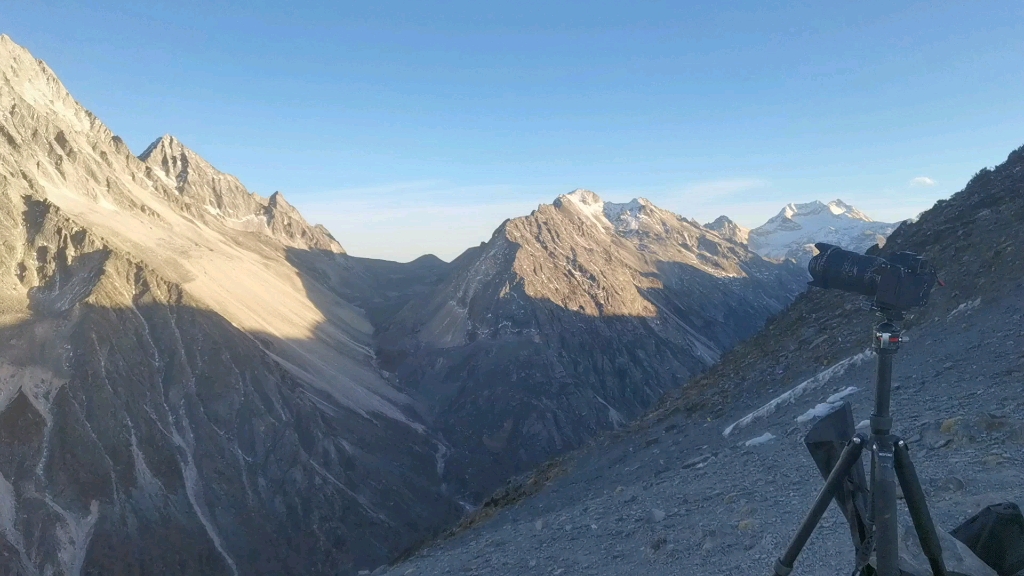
[(679, 498)]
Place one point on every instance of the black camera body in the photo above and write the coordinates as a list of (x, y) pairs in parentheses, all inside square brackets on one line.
[(898, 283)]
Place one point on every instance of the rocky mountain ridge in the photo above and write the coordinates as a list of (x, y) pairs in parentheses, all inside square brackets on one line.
[(222, 196), (176, 395), (726, 228), (969, 237), (570, 321)]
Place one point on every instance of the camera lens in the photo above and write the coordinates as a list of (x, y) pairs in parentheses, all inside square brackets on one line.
[(841, 269)]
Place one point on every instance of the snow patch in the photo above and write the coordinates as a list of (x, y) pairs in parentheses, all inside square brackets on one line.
[(440, 457), (613, 415), (588, 204), (819, 411), (964, 308), (789, 397), (830, 405), (625, 216), (842, 394), (762, 439)]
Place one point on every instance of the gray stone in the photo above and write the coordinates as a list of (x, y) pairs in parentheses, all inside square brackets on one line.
[(697, 461), (957, 557), (952, 484)]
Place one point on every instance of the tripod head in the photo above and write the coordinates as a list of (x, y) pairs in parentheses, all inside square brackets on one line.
[(888, 336)]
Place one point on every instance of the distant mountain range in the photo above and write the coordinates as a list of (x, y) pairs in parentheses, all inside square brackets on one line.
[(793, 232), (675, 494), (196, 380)]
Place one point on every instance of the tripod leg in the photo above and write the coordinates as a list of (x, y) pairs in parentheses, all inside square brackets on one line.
[(883, 504), (919, 509), (849, 457)]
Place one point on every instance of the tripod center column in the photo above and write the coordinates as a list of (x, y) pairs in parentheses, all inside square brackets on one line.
[(886, 343)]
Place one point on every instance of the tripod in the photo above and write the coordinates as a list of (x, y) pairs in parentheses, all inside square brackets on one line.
[(890, 462)]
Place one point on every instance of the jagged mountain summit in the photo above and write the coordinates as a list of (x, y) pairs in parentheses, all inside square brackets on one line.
[(181, 390), (572, 320), (793, 231), (207, 192), (728, 229)]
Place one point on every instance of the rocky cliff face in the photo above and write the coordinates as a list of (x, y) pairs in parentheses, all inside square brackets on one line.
[(573, 320), (728, 229), (181, 393), (211, 195)]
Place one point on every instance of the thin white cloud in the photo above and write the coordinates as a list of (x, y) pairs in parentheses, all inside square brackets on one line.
[(922, 181)]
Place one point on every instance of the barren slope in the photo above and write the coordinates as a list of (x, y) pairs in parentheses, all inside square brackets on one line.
[(571, 321), (178, 393), (676, 497), (674, 494)]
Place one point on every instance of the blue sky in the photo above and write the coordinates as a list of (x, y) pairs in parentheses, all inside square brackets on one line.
[(412, 127)]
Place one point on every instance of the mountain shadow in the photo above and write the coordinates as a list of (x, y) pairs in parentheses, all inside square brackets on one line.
[(507, 380), (158, 438)]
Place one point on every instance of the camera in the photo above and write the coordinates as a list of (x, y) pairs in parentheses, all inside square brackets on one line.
[(897, 283)]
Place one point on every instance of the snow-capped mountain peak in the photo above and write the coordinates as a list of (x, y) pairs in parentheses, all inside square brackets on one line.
[(583, 197), (792, 210), (627, 216), (620, 215), (838, 207), (793, 231), (815, 208)]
